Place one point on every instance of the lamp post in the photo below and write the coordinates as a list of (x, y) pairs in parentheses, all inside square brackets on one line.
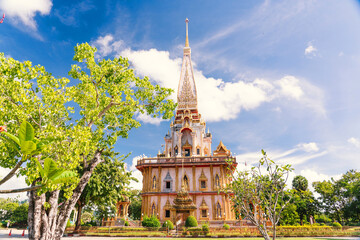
[(167, 227)]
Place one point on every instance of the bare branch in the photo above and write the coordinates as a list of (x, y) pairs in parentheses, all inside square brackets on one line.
[(21, 189), (13, 171)]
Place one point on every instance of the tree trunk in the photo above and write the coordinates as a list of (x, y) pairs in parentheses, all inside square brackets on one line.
[(50, 224), (264, 233), (274, 232), (78, 219)]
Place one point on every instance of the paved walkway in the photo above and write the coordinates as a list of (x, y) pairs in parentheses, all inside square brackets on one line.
[(17, 235)]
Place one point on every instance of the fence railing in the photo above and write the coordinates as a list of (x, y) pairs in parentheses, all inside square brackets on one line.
[(167, 160)]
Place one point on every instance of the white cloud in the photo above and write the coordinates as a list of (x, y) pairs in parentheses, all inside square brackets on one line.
[(25, 10), (136, 173), (148, 119), (228, 98), (300, 154), (310, 51), (106, 45), (309, 147), (13, 183), (290, 87), (313, 176), (354, 141)]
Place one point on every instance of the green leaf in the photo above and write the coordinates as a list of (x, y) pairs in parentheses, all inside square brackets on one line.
[(263, 152), (12, 137), (11, 142), (26, 132), (40, 169), (49, 167), (55, 173), (64, 177), (27, 147)]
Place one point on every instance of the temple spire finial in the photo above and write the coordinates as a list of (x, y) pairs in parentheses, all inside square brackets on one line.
[(187, 33)]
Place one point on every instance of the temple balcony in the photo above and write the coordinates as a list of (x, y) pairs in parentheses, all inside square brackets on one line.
[(186, 161)]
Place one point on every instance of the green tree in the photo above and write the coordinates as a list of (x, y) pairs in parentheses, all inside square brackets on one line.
[(260, 194), (340, 199), (300, 183), (289, 216), (78, 121), (7, 208), (135, 204), (20, 215), (106, 186), (303, 199)]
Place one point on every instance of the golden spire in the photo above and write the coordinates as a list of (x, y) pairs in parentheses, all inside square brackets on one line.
[(187, 35)]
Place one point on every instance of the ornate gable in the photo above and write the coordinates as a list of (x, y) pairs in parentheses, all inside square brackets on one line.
[(221, 150)]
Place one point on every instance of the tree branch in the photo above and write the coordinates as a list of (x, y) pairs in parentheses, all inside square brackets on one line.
[(21, 189), (12, 172), (103, 112)]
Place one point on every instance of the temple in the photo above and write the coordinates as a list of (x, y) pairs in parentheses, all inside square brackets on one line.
[(187, 178)]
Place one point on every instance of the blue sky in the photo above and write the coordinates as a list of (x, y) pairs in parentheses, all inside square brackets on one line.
[(277, 75)]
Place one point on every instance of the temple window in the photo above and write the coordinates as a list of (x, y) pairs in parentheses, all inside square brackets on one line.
[(198, 151), (204, 210), (167, 213), (153, 209), (167, 183), (217, 181), (154, 183), (204, 213), (176, 150), (218, 210), (186, 182), (203, 181)]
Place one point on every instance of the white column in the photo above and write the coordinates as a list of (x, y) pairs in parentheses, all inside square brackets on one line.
[(193, 135), (179, 144)]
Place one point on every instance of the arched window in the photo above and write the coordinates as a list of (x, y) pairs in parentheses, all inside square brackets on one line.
[(176, 150), (154, 182), (218, 210), (217, 181), (153, 208), (186, 182)]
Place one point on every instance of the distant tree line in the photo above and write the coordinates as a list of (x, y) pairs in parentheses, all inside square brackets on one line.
[(337, 201), (13, 211)]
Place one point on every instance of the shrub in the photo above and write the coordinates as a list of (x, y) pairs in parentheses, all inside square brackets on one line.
[(322, 219), (336, 225), (226, 226), (151, 222), (126, 223), (191, 222), (205, 228), (168, 224)]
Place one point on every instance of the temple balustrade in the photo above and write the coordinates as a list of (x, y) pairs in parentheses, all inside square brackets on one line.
[(183, 160)]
